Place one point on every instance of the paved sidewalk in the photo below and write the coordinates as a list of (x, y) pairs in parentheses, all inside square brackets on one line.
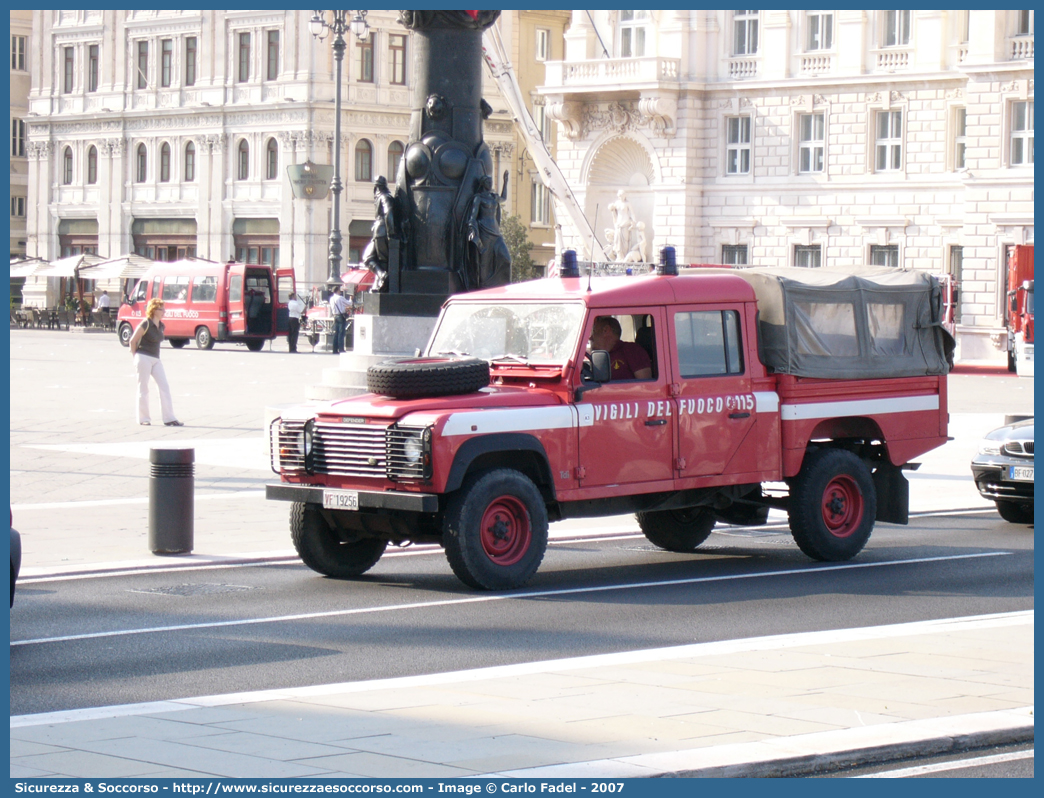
[(751, 707), (783, 705)]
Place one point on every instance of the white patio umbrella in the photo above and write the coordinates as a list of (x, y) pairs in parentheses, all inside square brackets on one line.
[(125, 267)]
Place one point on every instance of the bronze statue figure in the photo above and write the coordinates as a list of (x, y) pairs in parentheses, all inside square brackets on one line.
[(376, 256), (487, 261)]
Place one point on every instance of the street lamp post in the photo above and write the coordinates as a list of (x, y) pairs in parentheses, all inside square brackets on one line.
[(319, 28)]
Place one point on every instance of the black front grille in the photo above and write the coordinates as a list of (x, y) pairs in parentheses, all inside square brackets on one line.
[(1018, 448)]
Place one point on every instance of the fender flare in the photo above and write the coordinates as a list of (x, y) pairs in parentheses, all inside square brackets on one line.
[(506, 442)]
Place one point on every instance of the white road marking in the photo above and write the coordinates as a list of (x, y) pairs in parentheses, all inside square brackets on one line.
[(942, 767), (488, 599), (717, 648)]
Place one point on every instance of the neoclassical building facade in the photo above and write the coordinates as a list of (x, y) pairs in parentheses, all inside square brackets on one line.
[(168, 133), (900, 138)]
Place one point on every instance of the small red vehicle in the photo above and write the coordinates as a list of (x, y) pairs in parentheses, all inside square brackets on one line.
[(1018, 316), (212, 302), (830, 384), (317, 321)]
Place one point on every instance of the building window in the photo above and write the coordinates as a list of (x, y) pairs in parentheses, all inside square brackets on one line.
[(543, 44), (190, 162), (92, 68), (808, 257), (273, 54), (632, 33), (18, 44), (142, 164), (363, 161), (737, 145), (166, 61), (1024, 23), (18, 137), (244, 57), (395, 151), (885, 255), (243, 160), (542, 121), (956, 265), (960, 130), (889, 147), (744, 32), (397, 58), (67, 70), (812, 143), (364, 59), (271, 159), (165, 163), (734, 254), (143, 65), (820, 31), (541, 203), (67, 167), (897, 28), (190, 60), (92, 166), (18, 207), (1022, 133)]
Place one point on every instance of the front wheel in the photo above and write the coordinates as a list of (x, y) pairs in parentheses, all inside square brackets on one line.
[(204, 340), (255, 345), (1015, 512), (495, 530), (832, 505), (125, 334), (178, 343), (323, 551), (678, 530)]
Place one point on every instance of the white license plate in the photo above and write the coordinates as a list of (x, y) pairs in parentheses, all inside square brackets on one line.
[(1020, 473), (342, 499)]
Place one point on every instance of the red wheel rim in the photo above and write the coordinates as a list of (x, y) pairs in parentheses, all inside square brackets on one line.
[(506, 530), (842, 506)]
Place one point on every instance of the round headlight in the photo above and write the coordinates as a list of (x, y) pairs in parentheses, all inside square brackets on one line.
[(990, 447), (413, 449)]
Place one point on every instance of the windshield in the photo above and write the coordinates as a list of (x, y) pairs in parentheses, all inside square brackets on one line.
[(1029, 302), (522, 332)]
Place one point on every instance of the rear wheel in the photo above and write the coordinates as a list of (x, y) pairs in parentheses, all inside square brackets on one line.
[(323, 551), (495, 531), (832, 505), (125, 334), (1015, 512), (678, 530), (178, 343), (255, 345), (204, 340)]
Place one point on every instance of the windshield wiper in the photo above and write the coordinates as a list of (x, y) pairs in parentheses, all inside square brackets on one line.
[(453, 352), (511, 359)]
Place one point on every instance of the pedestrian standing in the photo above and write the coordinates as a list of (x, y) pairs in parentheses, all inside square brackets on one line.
[(296, 308), (339, 311), (145, 347)]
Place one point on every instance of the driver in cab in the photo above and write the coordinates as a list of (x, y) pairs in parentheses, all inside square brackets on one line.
[(628, 361)]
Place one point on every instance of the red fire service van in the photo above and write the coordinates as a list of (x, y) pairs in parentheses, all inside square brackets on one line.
[(807, 390), (212, 302)]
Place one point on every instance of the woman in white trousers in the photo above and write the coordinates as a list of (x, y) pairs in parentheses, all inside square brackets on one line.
[(145, 347)]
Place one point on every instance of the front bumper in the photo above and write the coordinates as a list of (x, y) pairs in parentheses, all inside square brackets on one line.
[(368, 499), (991, 478)]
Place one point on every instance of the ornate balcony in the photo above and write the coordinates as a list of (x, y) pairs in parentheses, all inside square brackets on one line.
[(605, 73), (743, 68), (893, 60), (816, 64), (1022, 48)]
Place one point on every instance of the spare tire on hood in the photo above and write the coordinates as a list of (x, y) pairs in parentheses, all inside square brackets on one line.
[(411, 377)]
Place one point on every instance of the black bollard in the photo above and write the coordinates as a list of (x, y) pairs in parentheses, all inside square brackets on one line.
[(171, 511)]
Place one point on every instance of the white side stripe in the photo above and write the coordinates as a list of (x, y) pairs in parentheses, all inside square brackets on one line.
[(522, 419), (899, 404), (766, 401)]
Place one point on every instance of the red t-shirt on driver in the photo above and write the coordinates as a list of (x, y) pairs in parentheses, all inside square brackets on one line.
[(627, 358)]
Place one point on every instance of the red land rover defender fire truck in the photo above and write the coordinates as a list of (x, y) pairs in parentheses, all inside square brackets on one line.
[(1018, 315), (212, 302), (831, 382)]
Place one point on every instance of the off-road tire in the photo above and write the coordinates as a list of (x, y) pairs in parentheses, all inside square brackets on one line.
[(126, 332), (495, 530), (406, 378), (178, 343), (255, 345), (322, 551), (1015, 512), (204, 340), (678, 530), (832, 505)]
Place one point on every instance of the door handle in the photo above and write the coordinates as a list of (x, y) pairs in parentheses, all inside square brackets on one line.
[(739, 415), (656, 422)]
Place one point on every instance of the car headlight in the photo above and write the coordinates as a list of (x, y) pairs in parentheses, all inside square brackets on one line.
[(409, 452), (990, 447), (413, 449)]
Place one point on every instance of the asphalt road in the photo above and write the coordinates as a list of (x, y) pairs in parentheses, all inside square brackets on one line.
[(82, 642), (1000, 762)]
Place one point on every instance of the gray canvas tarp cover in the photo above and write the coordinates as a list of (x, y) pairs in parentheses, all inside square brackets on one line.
[(850, 323)]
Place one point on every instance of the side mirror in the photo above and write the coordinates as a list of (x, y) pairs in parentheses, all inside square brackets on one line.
[(601, 368)]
